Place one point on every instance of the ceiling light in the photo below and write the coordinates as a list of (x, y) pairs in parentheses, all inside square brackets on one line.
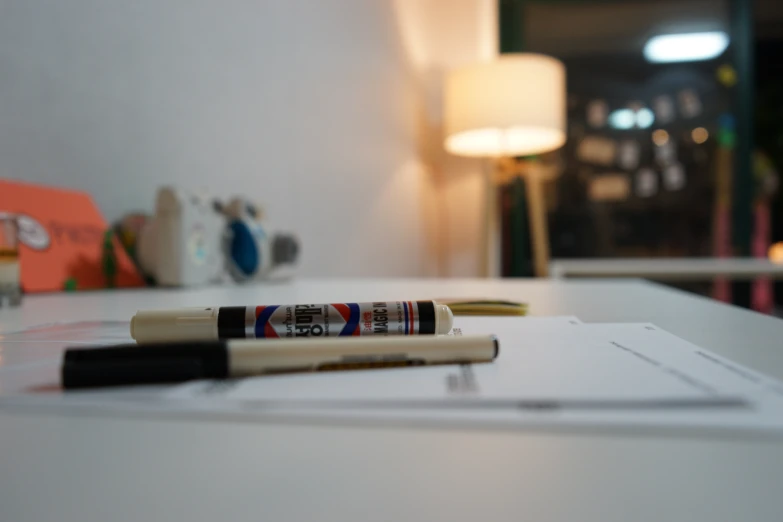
[(685, 47)]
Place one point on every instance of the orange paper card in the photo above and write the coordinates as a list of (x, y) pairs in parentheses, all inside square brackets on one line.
[(63, 240)]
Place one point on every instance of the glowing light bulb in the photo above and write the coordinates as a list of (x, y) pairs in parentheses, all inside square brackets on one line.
[(775, 253), (644, 118), (623, 119)]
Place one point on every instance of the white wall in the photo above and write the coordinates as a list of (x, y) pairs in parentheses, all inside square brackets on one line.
[(309, 106), (440, 35)]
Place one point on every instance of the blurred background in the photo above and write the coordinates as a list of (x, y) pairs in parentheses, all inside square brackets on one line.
[(341, 119)]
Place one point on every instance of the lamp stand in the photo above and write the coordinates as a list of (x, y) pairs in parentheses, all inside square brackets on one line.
[(490, 240), (535, 174), (538, 222)]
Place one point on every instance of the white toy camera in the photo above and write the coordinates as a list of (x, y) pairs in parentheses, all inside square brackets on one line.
[(193, 240)]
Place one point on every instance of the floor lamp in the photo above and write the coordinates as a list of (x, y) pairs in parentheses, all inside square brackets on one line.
[(512, 106)]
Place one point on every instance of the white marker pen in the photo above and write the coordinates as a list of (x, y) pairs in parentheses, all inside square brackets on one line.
[(382, 318)]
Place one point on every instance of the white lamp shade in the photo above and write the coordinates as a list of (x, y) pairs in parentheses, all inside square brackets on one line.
[(512, 106)]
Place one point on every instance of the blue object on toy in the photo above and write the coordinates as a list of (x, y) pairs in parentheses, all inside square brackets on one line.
[(245, 252)]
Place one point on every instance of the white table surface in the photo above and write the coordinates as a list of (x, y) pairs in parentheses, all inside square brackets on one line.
[(86, 469)]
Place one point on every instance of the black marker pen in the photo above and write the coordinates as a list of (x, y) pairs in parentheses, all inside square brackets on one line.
[(183, 361)]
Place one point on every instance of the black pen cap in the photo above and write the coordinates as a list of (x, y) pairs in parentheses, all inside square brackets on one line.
[(147, 364)]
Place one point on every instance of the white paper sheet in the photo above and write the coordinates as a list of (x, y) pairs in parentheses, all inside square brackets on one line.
[(541, 363), (762, 415), (552, 373)]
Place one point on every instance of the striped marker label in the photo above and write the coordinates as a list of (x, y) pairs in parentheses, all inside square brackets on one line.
[(333, 320)]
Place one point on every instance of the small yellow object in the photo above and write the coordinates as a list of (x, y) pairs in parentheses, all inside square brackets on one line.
[(660, 137), (727, 75), (699, 135), (775, 255), (484, 307)]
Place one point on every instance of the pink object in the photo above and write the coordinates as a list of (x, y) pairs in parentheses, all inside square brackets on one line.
[(762, 297), (721, 289)]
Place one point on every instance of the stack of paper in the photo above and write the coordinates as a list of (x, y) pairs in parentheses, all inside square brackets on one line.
[(551, 372)]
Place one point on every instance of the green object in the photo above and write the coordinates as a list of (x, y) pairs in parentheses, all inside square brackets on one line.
[(742, 56), (727, 139), (70, 284), (109, 260), (510, 22), (519, 228)]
